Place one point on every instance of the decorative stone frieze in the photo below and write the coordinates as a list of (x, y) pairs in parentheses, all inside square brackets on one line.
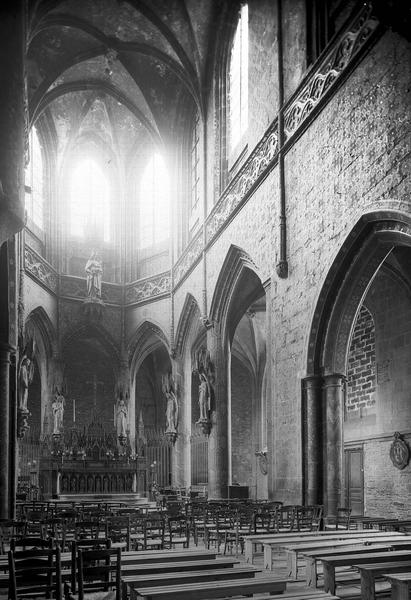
[(256, 165), (40, 269), (76, 287), (189, 257), (146, 289), (334, 63)]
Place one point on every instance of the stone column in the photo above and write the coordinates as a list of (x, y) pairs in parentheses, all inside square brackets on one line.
[(5, 351), (12, 118), (333, 389), (218, 440), (179, 452), (312, 443)]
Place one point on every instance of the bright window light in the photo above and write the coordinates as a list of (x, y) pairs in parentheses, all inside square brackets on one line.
[(89, 206), (34, 182), (238, 81), (154, 203)]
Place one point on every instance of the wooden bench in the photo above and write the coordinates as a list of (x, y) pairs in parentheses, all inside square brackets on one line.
[(369, 572), (330, 563), (189, 577), (250, 541), (273, 545), (209, 589), (312, 558), (400, 585), (170, 567)]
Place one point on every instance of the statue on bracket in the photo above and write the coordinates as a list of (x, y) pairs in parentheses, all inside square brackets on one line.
[(94, 273), (57, 407), (168, 388), (25, 378), (203, 368), (399, 452), (122, 416)]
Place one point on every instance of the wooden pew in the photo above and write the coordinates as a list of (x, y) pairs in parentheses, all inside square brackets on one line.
[(210, 590), (369, 572), (273, 545), (330, 563), (348, 546), (400, 585), (188, 577), (131, 569), (312, 557)]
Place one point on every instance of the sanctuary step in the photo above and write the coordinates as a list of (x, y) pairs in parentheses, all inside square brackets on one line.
[(130, 499)]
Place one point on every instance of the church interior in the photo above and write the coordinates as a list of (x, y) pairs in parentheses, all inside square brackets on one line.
[(205, 264)]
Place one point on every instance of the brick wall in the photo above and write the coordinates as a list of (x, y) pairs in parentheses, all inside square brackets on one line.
[(361, 366)]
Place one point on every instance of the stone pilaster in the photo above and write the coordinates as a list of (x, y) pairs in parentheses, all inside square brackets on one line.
[(218, 440), (13, 118), (333, 396), (312, 439), (5, 351)]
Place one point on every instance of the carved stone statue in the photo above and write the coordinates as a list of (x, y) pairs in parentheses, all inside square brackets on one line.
[(204, 372), (172, 405), (121, 417), (58, 411), (26, 373), (94, 271)]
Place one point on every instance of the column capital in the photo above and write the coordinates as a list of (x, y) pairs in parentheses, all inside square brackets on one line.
[(312, 381), (333, 379)]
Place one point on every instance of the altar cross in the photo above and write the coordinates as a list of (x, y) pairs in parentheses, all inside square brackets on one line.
[(94, 383)]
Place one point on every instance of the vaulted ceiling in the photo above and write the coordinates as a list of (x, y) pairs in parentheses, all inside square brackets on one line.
[(126, 72)]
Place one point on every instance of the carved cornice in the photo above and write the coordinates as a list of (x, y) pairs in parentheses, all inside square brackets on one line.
[(330, 68), (257, 165), (189, 258), (145, 290), (40, 269)]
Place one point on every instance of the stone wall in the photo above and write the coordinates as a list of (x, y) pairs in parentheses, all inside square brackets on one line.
[(242, 443)]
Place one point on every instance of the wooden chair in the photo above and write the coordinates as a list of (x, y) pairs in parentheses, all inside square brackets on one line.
[(97, 573), (30, 543), (35, 573), (9, 529), (342, 519), (88, 529), (118, 530), (153, 532), (90, 544), (178, 531)]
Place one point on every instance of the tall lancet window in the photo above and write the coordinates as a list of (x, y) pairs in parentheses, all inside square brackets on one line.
[(89, 206), (238, 81), (34, 199), (154, 214)]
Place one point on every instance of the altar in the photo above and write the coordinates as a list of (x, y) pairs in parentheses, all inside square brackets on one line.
[(90, 461)]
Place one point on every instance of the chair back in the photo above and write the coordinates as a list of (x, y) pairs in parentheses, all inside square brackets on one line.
[(35, 573), (99, 570), (90, 544)]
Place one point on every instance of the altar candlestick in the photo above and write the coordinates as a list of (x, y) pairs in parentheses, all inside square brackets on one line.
[(74, 410)]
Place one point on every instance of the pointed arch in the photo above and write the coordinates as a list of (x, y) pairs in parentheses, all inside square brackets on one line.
[(238, 285), (39, 327), (354, 268), (148, 337), (189, 322), (98, 333)]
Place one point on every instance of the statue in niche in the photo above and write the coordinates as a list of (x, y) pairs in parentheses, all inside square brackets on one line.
[(26, 374), (121, 416), (172, 405), (94, 272), (204, 372), (58, 411)]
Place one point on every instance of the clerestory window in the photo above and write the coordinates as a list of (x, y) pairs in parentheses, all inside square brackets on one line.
[(154, 210), (238, 82), (34, 198)]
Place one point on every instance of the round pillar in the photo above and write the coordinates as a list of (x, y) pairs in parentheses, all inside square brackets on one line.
[(333, 389), (312, 444)]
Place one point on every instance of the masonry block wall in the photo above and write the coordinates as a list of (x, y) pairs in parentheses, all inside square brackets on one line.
[(242, 443), (361, 367)]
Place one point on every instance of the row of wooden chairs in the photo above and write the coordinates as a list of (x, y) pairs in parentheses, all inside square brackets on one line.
[(95, 567)]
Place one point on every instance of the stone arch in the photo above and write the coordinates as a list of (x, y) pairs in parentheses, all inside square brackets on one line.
[(360, 257), (189, 324), (147, 338), (39, 326), (100, 334), (238, 285)]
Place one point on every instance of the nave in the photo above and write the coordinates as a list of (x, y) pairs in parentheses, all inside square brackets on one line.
[(180, 548)]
